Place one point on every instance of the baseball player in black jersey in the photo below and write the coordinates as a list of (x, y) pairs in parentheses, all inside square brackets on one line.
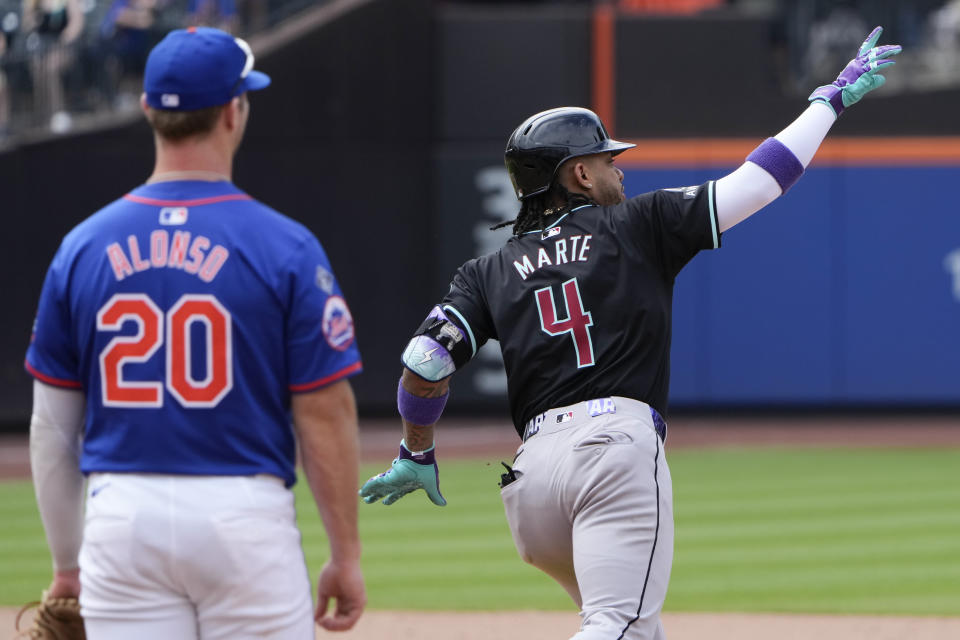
[(580, 299)]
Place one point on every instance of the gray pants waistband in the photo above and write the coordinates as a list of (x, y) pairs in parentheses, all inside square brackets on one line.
[(552, 419)]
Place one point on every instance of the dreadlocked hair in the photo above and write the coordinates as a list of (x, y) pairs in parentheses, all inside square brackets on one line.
[(534, 210)]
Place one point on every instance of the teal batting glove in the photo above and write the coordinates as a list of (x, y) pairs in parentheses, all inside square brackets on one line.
[(860, 76), (409, 472)]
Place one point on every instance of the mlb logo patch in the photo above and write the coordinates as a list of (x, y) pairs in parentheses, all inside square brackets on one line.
[(337, 323), (565, 417), (173, 215), (601, 406), (549, 233), (170, 100)]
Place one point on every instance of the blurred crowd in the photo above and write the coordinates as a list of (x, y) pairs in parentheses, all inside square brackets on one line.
[(815, 38), (64, 59)]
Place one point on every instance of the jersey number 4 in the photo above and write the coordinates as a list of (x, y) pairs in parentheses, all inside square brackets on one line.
[(179, 320), (577, 324)]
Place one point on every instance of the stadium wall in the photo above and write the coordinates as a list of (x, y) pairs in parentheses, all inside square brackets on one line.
[(384, 133)]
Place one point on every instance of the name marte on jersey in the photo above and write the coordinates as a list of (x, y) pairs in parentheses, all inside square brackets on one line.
[(572, 249), (166, 250)]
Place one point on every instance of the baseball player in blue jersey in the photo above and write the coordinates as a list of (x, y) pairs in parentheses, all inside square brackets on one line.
[(187, 339), (580, 300)]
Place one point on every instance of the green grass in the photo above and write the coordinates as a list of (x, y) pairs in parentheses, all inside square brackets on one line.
[(812, 530), (420, 556), (801, 530)]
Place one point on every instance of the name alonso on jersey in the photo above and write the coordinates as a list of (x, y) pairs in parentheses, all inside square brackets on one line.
[(576, 247), (176, 251)]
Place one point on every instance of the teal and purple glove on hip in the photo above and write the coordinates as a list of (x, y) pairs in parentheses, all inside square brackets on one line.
[(410, 471), (859, 76)]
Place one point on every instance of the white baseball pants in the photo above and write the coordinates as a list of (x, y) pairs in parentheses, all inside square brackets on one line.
[(189, 557), (592, 508)]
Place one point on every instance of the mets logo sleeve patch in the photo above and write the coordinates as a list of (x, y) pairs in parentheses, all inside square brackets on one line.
[(337, 323), (321, 340)]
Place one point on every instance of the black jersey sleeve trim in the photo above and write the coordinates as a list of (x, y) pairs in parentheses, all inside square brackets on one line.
[(714, 220), (466, 325)]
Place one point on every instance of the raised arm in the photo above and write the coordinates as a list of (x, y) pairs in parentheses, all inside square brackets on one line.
[(773, 167), (326, 425)]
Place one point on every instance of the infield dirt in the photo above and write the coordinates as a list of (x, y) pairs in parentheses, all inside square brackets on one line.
[(539, 625)]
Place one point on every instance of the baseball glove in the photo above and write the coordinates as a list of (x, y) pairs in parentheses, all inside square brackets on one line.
[(54, 619)]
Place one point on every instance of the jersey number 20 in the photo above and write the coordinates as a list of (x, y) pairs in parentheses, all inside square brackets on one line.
[(150, 336), (577, 324)]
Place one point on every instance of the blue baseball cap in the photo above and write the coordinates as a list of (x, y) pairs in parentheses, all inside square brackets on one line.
[(199, 67)]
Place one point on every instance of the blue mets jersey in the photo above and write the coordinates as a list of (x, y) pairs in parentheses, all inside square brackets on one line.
[(188, 313)]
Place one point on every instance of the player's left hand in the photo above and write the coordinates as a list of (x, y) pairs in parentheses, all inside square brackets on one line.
[(408, 473), (860, 76)]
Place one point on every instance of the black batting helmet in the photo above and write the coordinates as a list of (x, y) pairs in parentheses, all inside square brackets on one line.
[(545, 140)]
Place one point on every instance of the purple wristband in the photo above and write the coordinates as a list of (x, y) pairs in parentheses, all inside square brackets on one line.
[(417, 410), (776, 159)]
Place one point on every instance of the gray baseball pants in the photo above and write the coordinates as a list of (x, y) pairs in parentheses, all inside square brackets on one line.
[(592, 508)]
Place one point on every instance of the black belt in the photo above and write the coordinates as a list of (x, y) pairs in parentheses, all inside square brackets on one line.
[(659, 424)]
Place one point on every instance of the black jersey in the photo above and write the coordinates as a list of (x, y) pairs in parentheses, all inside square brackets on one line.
[(582, 309)]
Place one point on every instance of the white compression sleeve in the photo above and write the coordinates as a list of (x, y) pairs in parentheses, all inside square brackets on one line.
[(55, 438), (750, 188)]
